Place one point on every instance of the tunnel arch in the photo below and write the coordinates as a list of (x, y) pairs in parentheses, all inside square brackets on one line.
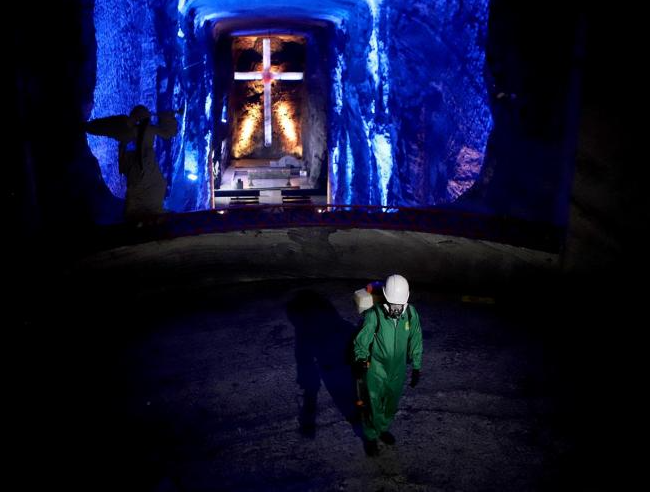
[(392, 65)]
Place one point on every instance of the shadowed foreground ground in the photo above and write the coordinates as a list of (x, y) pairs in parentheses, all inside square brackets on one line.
[(199, 392)]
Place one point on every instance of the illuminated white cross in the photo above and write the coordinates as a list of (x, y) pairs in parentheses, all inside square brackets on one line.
[(267, 76)]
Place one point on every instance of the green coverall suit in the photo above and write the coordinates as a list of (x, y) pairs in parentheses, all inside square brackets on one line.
[(395, 339)]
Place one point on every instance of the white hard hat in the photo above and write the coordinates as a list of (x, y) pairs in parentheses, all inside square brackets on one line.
[(396, 290)]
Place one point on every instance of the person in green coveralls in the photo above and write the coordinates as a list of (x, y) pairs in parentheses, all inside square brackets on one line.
[(390, 337)]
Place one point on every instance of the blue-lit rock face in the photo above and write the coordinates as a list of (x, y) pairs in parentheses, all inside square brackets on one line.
[(408, 120), (411, 118), (147, 53), (127, 61)]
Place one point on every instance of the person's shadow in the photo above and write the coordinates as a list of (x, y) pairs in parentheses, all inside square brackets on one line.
[(322, 341)]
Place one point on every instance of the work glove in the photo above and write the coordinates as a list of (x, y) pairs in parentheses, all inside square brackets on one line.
[(360, 368), (415, 377)]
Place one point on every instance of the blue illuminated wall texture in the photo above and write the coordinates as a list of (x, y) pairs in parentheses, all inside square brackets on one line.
[(409, 119)]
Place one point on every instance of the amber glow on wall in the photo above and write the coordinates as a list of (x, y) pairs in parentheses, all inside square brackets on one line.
[(250, 123), (285, 116)]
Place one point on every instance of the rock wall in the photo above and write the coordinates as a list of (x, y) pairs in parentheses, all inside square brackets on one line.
[(428, 103), (411, 117)]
